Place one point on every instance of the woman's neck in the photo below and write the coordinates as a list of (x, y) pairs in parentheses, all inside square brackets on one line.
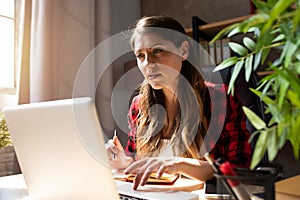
[(170, 97), (171, 105)]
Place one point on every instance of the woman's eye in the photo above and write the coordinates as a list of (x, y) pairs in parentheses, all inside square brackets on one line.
[(139, 56), (156, 51)]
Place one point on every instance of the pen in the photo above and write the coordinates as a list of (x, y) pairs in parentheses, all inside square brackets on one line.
[(212, 163), (115, 133)]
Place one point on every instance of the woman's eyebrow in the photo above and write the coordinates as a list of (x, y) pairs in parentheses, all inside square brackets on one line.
[(150, 47), (157, 44), (138, 51)]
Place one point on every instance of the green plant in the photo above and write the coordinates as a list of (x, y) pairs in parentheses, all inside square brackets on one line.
[(274, 27), (5, 139)]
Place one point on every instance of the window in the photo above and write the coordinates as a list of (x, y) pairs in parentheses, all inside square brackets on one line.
[(7, 47)]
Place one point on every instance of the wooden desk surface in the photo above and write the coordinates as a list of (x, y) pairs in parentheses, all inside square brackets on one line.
[(288, 189)]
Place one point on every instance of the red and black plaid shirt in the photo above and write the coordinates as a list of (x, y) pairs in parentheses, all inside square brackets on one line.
[(232, 144)]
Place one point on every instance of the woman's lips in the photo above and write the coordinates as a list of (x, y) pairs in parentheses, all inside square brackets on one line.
[(153, 76)]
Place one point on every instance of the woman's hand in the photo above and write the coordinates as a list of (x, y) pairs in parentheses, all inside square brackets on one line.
[(116, 154), (190, 167), (143, 168)]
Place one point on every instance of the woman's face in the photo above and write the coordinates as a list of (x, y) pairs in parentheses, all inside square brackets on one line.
[(159, 60)]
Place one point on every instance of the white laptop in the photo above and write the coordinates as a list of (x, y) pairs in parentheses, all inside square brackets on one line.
[(60, 148)]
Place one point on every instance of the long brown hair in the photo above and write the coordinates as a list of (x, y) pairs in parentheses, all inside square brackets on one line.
[(190, 125)]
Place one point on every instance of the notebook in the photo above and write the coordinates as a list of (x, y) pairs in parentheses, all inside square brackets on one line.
[(61, 152), (165, 179)]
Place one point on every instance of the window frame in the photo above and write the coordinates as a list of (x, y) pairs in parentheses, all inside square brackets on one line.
[(12, 90)]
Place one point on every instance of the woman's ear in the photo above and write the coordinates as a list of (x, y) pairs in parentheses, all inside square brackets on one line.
[(184, 50)]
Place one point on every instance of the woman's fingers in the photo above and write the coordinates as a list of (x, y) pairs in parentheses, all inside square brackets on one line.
[(144, 173), (114, 151), (134, 167), (145, 167), (137, 168), (143, 170), (166, 167), (110, 146), (116, 154), (171, 166), (148, 170), (109, 150)]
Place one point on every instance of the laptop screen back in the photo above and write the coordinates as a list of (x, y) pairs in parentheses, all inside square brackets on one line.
[(60, 148)]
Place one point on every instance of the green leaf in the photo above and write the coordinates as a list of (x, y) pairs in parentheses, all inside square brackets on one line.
[(257, 60), (255, 120), (268, 85), (265, 99), (272, 144), (282, 92), (297, 67), (279, 7), (253, 135), (248, 67), (226, 63), (237, 48), (284, 51), (264, 55), (275, 113), (289, 54), (237, 68), (254, 22), (298, 56), (282, 132), (278, 38), (296, 20), (294, 98), (249, 43), (259, 150), (224, 32), (287, 31), (261, 5), (295, 137), (291, 78), (236, 30)]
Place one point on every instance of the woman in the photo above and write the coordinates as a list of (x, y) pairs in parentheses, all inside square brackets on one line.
[(169, 119)]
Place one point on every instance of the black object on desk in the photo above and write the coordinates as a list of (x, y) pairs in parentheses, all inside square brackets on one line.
[(258, 182)]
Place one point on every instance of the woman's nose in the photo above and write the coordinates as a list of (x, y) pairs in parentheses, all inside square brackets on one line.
[(149, 60)]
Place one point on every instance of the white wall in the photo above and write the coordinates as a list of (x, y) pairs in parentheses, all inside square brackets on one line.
[(112, 17), (207, 10)]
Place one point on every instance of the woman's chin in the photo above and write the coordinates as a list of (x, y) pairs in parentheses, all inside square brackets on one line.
[(156, 86)]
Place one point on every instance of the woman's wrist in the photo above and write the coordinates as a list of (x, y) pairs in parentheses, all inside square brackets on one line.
[(194, 168), (181, 165)]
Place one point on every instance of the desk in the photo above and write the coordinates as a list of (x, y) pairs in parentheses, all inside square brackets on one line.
[(288, 189), (14, 187)]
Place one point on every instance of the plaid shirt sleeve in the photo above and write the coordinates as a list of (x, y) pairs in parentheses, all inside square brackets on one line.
[(232, 144)]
